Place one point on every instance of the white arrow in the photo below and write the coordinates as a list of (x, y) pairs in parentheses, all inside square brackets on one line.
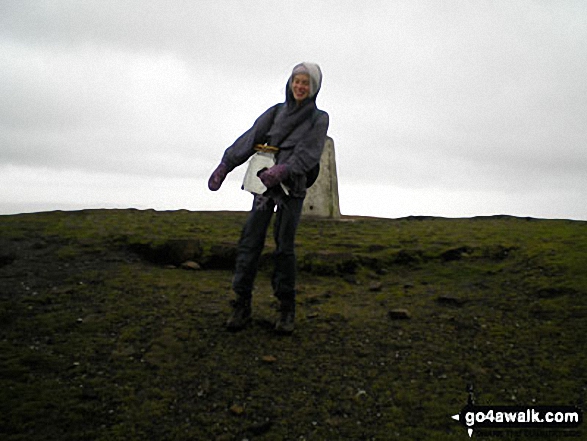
[(457, 417)]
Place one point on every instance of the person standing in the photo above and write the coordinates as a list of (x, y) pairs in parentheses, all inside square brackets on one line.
[(297, 129)]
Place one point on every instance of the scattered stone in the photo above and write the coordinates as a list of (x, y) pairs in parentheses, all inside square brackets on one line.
[(191, 265), (360, 393), (447, 317), (399, 314), (237, 409), (375, 286), (312, 315), (268, 359), (335, 421)]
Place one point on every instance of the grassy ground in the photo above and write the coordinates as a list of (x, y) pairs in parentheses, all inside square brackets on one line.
[(98, 343)]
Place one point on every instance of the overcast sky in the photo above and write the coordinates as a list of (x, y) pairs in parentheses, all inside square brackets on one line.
[(452, 108)]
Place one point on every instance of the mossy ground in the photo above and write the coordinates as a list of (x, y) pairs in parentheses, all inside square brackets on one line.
[(98, 344)]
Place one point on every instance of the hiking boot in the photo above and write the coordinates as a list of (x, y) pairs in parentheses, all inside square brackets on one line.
[(241, 315), (287, 315)]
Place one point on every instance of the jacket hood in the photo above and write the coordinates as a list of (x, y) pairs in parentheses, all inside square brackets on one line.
[(315, 74)]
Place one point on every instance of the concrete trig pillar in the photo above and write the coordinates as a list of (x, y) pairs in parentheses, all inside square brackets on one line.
[(322, 197)]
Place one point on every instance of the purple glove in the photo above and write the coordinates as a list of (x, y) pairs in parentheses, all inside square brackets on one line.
[(274, 175), (217, 177)]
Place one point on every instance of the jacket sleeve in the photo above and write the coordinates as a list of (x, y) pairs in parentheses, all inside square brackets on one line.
[(308, 151), (243, 148)]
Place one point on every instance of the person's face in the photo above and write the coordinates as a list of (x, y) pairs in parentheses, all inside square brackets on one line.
[(300, 87)]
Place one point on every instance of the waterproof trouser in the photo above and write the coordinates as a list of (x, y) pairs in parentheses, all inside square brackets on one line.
[(252, 242)]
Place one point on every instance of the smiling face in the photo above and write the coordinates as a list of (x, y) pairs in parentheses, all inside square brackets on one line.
[(300, 86)]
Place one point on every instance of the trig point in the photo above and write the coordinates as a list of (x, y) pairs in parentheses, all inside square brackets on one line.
[(322, 197)]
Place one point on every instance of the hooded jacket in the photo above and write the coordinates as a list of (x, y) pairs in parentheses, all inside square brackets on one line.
[(299, 131)]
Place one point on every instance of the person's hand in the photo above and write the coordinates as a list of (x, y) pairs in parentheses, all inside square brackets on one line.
[(273, 176), (217, 177)]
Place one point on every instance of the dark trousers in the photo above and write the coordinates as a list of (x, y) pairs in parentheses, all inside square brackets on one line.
[(252, 242)]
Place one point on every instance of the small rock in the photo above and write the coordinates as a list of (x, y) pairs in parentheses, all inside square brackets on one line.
[(191, 265), (447, 317), (375, 286), (399, 314), (237, 409), (360, 393), (335, 421), (268, 359)]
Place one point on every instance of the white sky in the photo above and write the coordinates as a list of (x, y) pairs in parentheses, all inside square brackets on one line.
[(452, 108)]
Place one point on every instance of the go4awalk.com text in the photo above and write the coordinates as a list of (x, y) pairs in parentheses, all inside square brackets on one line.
[(518, 417)]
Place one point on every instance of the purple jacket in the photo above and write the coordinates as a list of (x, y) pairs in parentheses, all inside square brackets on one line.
[(298, 131)]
